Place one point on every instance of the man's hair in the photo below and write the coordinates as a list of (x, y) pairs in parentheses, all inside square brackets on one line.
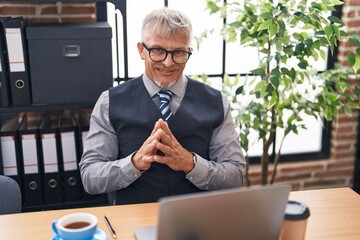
[(167, 22)]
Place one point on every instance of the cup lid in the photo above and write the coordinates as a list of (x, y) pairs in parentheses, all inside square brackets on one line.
[(296, 211)]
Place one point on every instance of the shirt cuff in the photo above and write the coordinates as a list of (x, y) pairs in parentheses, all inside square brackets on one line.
[(199, 172), (128, 168)]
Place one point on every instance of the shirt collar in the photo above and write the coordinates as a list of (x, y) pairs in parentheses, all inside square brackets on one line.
[(178, 88)]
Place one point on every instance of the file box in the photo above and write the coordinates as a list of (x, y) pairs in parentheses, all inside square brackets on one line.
[(69, 63)]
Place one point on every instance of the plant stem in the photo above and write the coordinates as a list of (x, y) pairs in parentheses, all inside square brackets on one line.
[(277, 160), (266, 146)]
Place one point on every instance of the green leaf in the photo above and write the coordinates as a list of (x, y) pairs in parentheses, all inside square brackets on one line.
[(260, 86), (356, 64), (239, 90), (274, 81), (258, 71), (287, 82), (298, 36), (316, 45), (315, 55), (244, 34), (354, 40), (357, 90), (265, 25), (323, 54), (328, 31), (273, 101), (337, 2), (351, 59), (273, 30), (334, 19), (303, 64), (212, 7)]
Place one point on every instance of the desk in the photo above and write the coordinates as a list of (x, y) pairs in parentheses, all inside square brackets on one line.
[(335, 214)]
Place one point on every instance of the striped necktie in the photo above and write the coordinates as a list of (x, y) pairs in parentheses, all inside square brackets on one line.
[(165, 96)]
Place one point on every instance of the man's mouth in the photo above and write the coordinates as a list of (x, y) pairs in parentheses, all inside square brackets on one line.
[(166, 71)]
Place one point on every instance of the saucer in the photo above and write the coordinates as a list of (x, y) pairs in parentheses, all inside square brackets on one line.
[(99, 235)]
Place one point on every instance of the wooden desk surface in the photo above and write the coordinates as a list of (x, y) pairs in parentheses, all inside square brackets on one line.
[(335, 214)]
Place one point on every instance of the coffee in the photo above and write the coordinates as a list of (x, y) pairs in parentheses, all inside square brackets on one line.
[(76, 225)]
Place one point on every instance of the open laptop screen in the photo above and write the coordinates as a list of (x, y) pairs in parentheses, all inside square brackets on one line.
[(241, 213)]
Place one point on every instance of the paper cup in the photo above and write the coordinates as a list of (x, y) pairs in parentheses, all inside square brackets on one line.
[(295, 221)]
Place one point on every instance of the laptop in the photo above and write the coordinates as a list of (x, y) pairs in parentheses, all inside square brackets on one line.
[(252, 213)]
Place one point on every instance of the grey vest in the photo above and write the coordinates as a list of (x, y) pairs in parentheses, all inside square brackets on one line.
[(133, 115)]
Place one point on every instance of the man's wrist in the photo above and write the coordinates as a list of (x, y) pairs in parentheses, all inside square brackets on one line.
[(194, 158)]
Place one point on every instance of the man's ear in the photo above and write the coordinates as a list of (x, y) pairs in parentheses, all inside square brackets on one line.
[(141, 50)]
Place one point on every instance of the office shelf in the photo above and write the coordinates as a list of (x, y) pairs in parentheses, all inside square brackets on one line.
[(9, 112)]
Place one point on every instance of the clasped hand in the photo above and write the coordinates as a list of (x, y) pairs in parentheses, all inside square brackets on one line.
[(162, 139)]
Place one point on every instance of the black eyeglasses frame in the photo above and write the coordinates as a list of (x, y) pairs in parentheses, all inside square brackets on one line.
[(167, 52)]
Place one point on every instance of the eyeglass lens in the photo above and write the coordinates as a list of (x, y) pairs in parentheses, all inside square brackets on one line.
[(159, 55)]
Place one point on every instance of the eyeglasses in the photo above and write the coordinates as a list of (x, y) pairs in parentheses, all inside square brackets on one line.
[(160, 54)]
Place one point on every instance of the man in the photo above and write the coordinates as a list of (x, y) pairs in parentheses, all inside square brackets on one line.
[(137, 152)]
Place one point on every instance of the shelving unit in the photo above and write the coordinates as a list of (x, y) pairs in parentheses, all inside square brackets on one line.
[(7, 113)]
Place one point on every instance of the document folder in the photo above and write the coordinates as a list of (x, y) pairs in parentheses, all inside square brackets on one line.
[(5, 93), (83, 122), (69, 155), (11, 155), (32, 164), (16, 45), (51, 168)]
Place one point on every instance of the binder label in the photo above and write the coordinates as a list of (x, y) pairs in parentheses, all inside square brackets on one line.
[(69, 151), (9, 156), (50, 154), (83, 136), (30, 154), (15, 49)]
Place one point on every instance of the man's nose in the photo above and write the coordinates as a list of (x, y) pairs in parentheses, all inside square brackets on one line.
[(168, 60)]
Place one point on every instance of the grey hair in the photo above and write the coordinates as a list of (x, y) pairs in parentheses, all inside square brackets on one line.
[(167, 22)]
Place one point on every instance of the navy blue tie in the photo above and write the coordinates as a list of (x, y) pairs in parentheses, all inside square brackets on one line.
[(165, 96)]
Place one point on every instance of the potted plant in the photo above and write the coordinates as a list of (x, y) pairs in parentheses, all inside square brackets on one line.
[(288, 34)]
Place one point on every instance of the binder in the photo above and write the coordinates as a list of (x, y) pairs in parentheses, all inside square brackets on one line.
[(69, 157), (83, 122), (11, 155), (32, 164), (51, 166), (16, 45), (5, 93)]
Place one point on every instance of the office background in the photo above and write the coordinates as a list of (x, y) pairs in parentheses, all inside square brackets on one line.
[(340, 168)]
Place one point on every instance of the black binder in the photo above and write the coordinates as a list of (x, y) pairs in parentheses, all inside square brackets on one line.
[(32, 164), (83, 122), (16, 45), (11, 154), (69, 154), (51, 165), (5, 93)]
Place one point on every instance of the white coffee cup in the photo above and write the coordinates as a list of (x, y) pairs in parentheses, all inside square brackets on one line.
[(75, 226)]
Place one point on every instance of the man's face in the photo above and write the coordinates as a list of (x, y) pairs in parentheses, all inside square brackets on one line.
[(165, 73)]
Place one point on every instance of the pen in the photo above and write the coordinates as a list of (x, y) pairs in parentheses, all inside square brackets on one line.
[(112, 231)]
